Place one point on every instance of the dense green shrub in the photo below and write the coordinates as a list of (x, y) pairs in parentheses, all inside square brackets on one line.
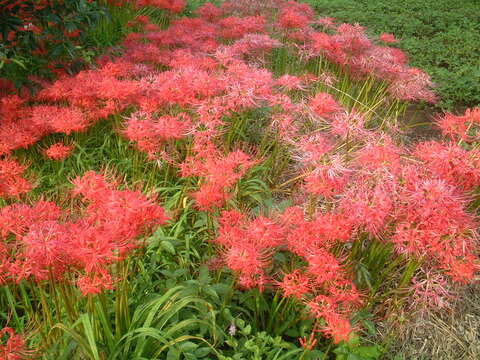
[(55, 36), (440, 36)]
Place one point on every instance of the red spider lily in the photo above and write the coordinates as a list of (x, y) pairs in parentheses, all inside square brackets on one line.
[(246, 259), (142, 19), (295, 15), (463, 270), (461, 127), (151, 133), (255, 45), (308, 344), (352, 39), (338, 327), (17, 218), (433, 222), (209, 12), (387, 38), (12, 182), (324, 105), (431, 291), (323, 266), (218, 173), (216, 90), (49, 248), (15, 347), (373, 157), (369, 202), (285, 125), (313, 148), (59, 151), (210, 196), (327, 22), (449, 161), (295, 284), (95, 283), (44, 250), (290, 82), (413, 84), (350, 125), (350, 47), (236, 27), (249, 246), (57, 119), (327, 180), (188, 81)]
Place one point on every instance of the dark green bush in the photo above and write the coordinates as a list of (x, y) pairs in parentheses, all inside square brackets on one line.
[(52, 36)]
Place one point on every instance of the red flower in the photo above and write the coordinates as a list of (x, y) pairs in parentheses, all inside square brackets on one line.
[(236, 27), (375, 157), (295, 284), (461, 127), (15, 348), (12, 182), (209, 11), (324, 105), (95, 283), (219, 173), (295, 15), (327, 180), (59, 151), (387, 38)]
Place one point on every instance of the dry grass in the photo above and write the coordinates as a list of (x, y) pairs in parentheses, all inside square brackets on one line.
[(448, 335)]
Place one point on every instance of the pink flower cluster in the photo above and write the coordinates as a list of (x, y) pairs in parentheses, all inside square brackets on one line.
[(417, 197), (52, 244), (218, 173), (350, 47), (206, 70), (12, 181), (249, 246), (59, 151), (461, 127), (15, 347)]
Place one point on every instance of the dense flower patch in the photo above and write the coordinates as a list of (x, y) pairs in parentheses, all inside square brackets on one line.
[(50, 245), (188, 93)]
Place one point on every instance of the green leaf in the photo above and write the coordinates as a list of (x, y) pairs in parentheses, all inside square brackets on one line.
[(370, 327), (168, 246), (19, 63), (369, 352), (352, 356), (247, 330), (202, 351), (173, 354), (187, 346)]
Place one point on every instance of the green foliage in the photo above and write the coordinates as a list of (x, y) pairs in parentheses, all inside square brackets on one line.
[(440, 36), (261, 346), (353, 350), (39, 39)]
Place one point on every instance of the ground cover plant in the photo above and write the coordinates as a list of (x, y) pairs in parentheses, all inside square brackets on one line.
[(440, 37), (236, 184)]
